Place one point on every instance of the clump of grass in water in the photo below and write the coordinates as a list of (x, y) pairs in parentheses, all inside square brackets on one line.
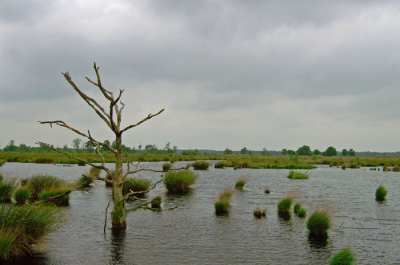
[(222, 206), (61, 201), (39, 183), (241, 182), (258, 213), (166, 166), (301, 213), (200, 165), (156, 202), (298, 175), (84, 181), (344, 257), (267, 190), (179, 181), (135, 185), (21, 195), (7, 188), (220, 164), (380, 193), (23, 226), (319, 223), (296, 207), (286, 202)]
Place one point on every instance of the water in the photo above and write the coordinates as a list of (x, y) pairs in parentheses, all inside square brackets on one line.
[(193, 234)]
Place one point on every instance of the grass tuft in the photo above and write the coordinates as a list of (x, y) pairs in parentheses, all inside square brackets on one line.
[(241, 182), (7, 188), (380, 193), (286, 202), (61, 201), (222, 206), (39, 183), (258, 213), (301, 213), (344, 257), (166, 166), (319, 223), (200, 165), (298, 175), (156, 202), (21, 195), (135, 185), (296, 207), (179, 181), (220, 164)]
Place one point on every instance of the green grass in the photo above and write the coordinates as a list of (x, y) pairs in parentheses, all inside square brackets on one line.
[(156, 202), (22, 226), (380, 193), (220, 164), (1, 178), (201, 165), (135, 184), (7, 188), (179, 181), (42, 160), (319, 223), (62, 201), (298, 175), (39, 183), (296, 207), (84, 181), (222, 206), (166, 166), (301, 213), (285, 204), (241, 182), (344, 257), (21, 195)]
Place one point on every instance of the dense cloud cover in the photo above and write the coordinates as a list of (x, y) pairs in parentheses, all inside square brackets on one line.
[(273, 74)]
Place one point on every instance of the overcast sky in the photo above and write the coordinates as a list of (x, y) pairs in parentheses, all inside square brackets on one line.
[(255, 74)]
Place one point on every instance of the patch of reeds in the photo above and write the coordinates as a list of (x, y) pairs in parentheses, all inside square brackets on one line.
[(222, 206), (23, 226), (220, 164), (344, 257), (286, 202), (298, 175), (81, 163), (258, 213), (21, 195), (135, 185), (301, 213), (179, 181), (7, 188), (43, 160), (84, 181), (241, 182), (39, 183), (201, 165), (1, 178), (267, 190), (60, 201), (319, 223), (156, 202), (380, 193), (166, 166), (296, 207)]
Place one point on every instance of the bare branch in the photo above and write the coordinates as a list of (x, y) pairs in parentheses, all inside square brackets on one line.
[(140, 122), (157, 209), (105, 219), (140, 192), (152, 170)]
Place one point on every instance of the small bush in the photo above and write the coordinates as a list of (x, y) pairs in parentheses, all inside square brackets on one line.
[(7, 188), (156, 202), (380, 193), (179, 181), (344, 257), (220, 164), (39, 183), (240, 183), (319, 223), (298, 175), (222, 206), (21, 195), (166, 166), (61, 201), (301, 213), (296, 207), (258, 213), (135, 184), (201, 165)]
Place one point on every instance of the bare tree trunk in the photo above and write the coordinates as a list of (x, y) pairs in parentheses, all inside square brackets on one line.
[(118, 215)]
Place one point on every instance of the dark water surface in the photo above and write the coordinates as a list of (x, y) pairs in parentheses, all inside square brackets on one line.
[(192, 234)]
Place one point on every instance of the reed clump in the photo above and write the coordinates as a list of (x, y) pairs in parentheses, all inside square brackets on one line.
[(319, 223), (200, 165), (156, 202), (166, 166), (298, 175), (179, 181), (286, 202), (37, 184), (258, 213), (344, 257), (7, 188), (135, 185), (222, 206), (23, 226), (301, 213), (21, 195), (60, 201), (241, 182), (380, 193), (296, 207), (220, 164)]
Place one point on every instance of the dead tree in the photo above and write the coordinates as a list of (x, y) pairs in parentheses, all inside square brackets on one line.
[(112, 116)]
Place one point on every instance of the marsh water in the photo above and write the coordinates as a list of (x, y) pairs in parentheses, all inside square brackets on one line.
[(193, 234)]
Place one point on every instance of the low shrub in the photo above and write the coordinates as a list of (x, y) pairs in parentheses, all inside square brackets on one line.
[(220, 164), (21, 195), (39, 183), (222, 206), (61, 201), (135, 185), (7, 188), (380, 193), (258, 213), (201, 165), (241, 182), (179, 181), (298, 175), (301, 213), (344, 257), (296, 207), (319, 223), (166, 166), (156, 202)]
